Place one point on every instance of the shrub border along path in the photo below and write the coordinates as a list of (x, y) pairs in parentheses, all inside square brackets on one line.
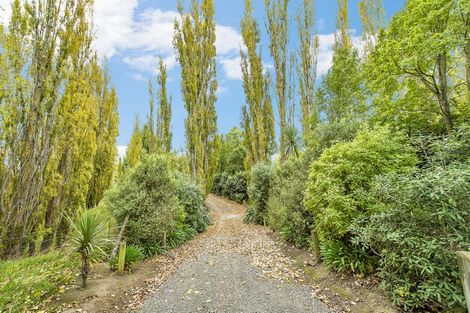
[(262, 252)]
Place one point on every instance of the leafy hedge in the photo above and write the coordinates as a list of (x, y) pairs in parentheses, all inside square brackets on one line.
[(424, 219), (338, 187), (191, 197), (147, 194), (258, 191), (161, 203), (26, 282), (231, 186), (286, 211)]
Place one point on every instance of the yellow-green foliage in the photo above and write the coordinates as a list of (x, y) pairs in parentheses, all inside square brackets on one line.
[(27, 282), (339, 182)]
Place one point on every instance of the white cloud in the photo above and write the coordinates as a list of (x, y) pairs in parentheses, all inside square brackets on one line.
[(139, 38), (221, 90), (113, 21), (5, 11), (231, 67), (228, 40), (325, 51), (121, 151)]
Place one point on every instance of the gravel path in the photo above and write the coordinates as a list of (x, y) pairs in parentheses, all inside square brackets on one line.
[(234, 267)]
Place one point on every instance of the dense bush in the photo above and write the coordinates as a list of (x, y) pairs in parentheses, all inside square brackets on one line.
[(342, 257), (218, 185), (326, 135), (258, 191), (235, 187), (147, 194), (286, 211), (339, 182), (190, 196), (423, 220), (231, 186), (26, 282)]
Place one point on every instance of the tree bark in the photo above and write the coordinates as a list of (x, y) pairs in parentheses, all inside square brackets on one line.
[(443, 93)]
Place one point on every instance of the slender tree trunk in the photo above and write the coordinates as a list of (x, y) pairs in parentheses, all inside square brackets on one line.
[(316, 246), (467, 69), (61, 232), (85, 270), (50, 221), (443, 95)]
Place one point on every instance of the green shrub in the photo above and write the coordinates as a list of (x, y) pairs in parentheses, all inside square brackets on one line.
[(326, 135), (235, 187), (341, 257), (148, 195), (191, 198), (89, 238), (218, 185), (134, 254), (286, 211), (180, 235), (258, 191), (424, 219), (339, 182), (25, 283)]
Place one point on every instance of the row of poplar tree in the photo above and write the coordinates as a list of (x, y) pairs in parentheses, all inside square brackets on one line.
[(58, 123), (412, 75)]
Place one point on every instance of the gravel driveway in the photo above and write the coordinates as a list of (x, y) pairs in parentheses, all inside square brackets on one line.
[(234, 268)]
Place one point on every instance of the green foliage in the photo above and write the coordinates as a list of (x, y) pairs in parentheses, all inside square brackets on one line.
[(424, 219), (180, 234), (89, 237), (191, 199), (232, 152), (292, 142), (341, 257), (339, 182), (235, 187), (326, 135), (258, 191), (286, 211), (134, 254), (148, 195), (220, 179), (27, 282)]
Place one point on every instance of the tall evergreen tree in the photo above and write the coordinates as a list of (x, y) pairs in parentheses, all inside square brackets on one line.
[(258, 117), (307, 66), (43, 55), (106, 134), (149, 135), (164, 134), (194, 42), (341, 94), (278, 30), (135, 148)]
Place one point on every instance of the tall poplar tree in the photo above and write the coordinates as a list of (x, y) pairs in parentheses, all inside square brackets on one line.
[(45, 45), (164, 134), (307, 66), (135, 148), (106, 134), (194, 42), (341, 94), (278, 30), (257, 116), (372, 18), (149, 136)]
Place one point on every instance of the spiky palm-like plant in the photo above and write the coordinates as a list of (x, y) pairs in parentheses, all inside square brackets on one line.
[(293, 142), (89, 237)]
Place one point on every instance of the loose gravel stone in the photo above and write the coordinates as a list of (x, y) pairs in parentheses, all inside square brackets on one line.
[(233, 268)]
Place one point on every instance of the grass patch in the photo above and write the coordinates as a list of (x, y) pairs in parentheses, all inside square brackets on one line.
[(25, 283)]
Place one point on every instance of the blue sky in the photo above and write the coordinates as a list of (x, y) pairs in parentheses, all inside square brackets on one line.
[(131, 34)]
